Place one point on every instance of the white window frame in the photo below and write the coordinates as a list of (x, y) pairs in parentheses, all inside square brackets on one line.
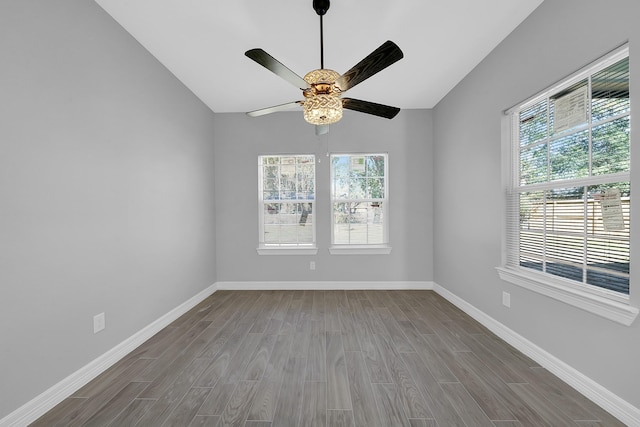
[(608, 304), (361, 249), (285, 248)]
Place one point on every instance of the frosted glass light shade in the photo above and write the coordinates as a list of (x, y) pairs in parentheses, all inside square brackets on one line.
[(322, 109), (322, 106), (322, 75)]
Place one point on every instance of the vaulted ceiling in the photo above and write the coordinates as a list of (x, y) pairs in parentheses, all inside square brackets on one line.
[(202, 42)]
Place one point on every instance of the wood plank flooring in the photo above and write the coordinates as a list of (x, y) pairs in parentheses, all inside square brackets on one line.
[(326, 358)]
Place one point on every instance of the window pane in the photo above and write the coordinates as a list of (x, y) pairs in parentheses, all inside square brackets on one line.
[(270, 184), (610, 147), (375, 166), (375, 188), (305, 178), (564, 233), (271, 211), (340, 177), (271, 233), (341, 222), (608, 236), (533, 164), (340, 166), (288, 223), (610, 91), (532, 230), (270, 172), (533, 124), (271, 195), (305, 234), (357, 188), (375, 221), (570, 156), (288, 177), (565, 210), (358, 223), (305, 213), (357, 166)]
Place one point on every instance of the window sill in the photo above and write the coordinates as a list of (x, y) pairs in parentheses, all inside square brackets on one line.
[(567, 292), (287, 251), (360, 250)]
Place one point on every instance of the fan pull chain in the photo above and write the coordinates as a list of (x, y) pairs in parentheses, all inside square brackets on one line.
[(327, 144)]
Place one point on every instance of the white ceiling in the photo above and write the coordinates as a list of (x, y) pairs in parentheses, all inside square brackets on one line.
[(202, 42)]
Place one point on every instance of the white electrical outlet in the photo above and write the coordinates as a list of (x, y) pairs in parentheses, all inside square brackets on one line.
[(98, 323), (506, 299), (312, 265)]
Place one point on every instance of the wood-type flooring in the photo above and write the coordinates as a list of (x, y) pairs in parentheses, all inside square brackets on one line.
[(326, 358)]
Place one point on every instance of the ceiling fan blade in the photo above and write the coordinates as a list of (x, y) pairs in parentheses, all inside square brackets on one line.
[(376, 61), (274, 109), (370, 108), (275, 66), (322, 129)]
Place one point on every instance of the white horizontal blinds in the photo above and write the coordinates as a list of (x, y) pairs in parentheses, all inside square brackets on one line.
[(513, 209), (569, 200), (287, 196), (530, 235), (359, 195), (564, 233)]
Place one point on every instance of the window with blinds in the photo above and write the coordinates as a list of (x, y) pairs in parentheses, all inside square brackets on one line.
[(359, 199), (568, 198), (286, 192)]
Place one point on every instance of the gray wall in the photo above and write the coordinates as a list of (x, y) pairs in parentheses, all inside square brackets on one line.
[(408, 140), (106, 191), (560, 37)]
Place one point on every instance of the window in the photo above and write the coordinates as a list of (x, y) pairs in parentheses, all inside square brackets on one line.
[(568, 194), (359, 191), (286, 193)]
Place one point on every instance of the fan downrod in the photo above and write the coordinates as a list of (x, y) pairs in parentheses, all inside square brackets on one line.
[(321, 6)]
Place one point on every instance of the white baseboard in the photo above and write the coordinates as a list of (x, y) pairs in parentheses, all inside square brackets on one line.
[(307, 285), (34, 409), (612, 403)]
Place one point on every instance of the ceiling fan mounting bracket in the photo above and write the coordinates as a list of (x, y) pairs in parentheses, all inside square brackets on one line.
[(321, 6)]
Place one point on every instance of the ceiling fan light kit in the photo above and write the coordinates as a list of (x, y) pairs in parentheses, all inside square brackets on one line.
[(322, 105), (323, 88)]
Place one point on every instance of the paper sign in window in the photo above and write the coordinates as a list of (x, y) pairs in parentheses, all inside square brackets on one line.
[(357, 164), (570, 110), (611, 210)]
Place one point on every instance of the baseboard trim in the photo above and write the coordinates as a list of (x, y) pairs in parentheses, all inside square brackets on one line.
[(41, 404), (328, 285), (609, 401)]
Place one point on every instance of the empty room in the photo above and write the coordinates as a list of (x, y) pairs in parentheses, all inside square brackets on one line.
[(319, 213)]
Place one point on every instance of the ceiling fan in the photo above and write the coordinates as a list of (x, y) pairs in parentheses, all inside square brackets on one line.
[(323, 88)]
